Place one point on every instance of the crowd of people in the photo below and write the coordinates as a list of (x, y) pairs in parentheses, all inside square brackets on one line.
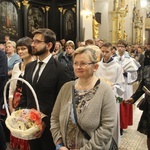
[(84, 90)]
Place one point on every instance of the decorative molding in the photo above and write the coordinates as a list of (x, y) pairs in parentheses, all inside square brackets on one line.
[(64, 10), (147, 23), (73, 9), (43, 8), (25, 3), (47, 8), (18, 4), (60, 9)]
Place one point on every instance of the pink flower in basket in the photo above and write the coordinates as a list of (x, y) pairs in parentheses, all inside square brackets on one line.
[(35, 116)]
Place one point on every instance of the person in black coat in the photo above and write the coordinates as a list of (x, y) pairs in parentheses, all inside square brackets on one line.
[(66, 58), (3, 79), (144, 124), (51, 77)]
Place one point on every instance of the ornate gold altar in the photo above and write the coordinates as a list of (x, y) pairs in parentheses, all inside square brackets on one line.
[(120, 10), (95, 23), (137, 26), (118, 14)]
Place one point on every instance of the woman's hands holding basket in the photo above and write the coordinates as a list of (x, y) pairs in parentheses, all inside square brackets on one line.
[(40, 132)]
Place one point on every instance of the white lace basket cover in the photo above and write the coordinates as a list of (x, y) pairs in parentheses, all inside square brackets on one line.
[(17, 130)]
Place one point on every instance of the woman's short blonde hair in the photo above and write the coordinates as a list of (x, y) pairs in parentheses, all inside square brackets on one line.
[(12, 43), (97, 50), (90, 52)]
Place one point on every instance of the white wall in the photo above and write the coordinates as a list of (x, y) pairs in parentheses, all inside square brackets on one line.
[(128, 24), (87, 25), (102, 7), (87, 22), (105, 7)]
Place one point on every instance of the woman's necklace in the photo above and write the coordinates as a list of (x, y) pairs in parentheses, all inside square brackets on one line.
[(85, 86)]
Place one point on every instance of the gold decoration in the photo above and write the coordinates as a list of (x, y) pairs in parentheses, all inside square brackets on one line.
[(47, 8), (43, 9), (95, 23), (147, 23), (64, 10), (114, 17), (18, 4), (125, 35), (122, 3), (123, 12), (73, 9), (138, 26), (115, 5), (25, 3), (60, 9), (118, 21), (95, 28), (119, 33)]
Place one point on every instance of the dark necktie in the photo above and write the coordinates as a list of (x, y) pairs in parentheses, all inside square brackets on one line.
[(36, 76)]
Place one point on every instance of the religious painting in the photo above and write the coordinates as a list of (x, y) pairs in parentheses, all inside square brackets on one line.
[(8, 19), (35, 19), (69, 25)]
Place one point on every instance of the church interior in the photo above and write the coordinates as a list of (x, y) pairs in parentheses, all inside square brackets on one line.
[(75, 20), (79, 20)]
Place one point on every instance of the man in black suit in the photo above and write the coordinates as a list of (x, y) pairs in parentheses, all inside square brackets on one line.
[(3, 79), (52, 76)]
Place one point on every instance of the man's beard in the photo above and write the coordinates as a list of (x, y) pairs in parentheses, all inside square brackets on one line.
[(38, 53)]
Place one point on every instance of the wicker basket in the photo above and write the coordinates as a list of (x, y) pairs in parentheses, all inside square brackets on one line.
[(29, 133)]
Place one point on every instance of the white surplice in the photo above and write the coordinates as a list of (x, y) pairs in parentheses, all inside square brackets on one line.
[(112, 73), (130, 67)]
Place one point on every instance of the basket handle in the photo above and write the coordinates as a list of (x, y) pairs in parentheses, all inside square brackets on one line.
[(30, 87)]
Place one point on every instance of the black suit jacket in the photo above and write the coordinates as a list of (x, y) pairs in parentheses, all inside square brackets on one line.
[(3, 74), (3, 79), (51, 80)]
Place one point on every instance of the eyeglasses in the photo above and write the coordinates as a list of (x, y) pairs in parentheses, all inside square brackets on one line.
[(121, 46), (82, 64), (22, 48), (37, 41)]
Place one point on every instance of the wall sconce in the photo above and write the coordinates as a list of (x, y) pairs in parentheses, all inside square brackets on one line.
[(87, 13)]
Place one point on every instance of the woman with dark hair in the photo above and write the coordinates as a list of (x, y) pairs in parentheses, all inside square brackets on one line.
[(144, 124), (25, 52)]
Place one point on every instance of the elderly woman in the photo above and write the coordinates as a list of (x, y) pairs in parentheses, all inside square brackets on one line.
[(13, 58), (84, 114)]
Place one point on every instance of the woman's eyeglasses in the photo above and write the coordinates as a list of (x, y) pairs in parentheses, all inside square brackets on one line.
[(82, 64)]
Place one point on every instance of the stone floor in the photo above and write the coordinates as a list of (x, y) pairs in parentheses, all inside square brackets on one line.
[(132, 139)]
